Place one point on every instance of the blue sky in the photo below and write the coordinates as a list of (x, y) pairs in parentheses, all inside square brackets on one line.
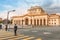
[(13, 4), (51, 6)]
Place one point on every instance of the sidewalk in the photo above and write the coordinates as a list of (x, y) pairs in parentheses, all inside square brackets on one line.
[(5, 35)]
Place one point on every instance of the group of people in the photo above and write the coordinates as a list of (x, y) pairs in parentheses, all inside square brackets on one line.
[(6, 28)]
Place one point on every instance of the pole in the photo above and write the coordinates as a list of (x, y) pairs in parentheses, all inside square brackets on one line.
[(7, 21), (8, 18)]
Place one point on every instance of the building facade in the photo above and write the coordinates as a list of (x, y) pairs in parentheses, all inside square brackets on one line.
[(36, 16)]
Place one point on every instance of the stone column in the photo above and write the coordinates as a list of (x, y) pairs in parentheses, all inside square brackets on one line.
[(32, 21), (39, 21), (24, 22), (13, 22), (21, 22)]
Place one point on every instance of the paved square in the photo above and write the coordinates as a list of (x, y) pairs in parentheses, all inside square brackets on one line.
[(5, 35)]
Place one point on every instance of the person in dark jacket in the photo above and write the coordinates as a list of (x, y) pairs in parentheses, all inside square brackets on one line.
[(6, 28), (15, 30), (0, 26)]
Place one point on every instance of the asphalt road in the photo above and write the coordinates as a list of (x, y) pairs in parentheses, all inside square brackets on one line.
[(46, 33)]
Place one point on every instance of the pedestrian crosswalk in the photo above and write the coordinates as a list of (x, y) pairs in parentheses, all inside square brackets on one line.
[(5, 35), (29, 38), (19, 37)]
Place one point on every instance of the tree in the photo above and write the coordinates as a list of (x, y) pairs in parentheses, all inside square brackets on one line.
[(1, 21)]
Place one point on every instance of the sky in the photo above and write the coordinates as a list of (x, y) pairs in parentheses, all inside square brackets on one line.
[(21, 6)]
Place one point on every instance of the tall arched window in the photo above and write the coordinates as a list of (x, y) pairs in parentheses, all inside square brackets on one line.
[(37, 21), (22, 22), (34, 21), (26, 21), (31, 21), (44, 21), (40, 21)]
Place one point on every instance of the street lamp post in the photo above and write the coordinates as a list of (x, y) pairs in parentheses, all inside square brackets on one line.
[(8, 18)]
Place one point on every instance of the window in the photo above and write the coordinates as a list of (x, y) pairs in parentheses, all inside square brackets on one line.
[(49, 23), (52, 19), (54, 23), (31, 21), (49, 20)]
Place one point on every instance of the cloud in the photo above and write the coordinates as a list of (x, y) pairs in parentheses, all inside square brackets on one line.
[(8, 7), (19, 11), (56, 3), (21, 6), (3, 14)]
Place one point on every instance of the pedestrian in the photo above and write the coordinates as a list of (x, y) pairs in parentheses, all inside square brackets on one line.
[(0, 26), (15, 30), (5, 27)]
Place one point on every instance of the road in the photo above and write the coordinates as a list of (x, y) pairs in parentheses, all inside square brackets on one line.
[(45, 33)]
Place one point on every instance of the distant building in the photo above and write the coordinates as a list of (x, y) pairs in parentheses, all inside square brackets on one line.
[(54, 19), (5, 21), (37, 16)]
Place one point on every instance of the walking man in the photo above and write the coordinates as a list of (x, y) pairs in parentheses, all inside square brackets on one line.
[(6, 27), (0, 26), (15, 30)]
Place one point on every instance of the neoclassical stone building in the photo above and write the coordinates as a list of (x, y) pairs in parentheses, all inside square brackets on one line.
[(36, 16)]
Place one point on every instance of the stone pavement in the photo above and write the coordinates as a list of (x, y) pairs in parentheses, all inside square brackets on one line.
[(5, 35)]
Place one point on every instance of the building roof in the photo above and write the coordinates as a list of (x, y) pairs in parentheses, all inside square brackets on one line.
[(54, 16), (32, 13), (35, 7), (35, 13), (17, 16)]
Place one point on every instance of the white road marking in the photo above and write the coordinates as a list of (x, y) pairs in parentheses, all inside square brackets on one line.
[(26, 30), (47, 33), (34, 31)]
